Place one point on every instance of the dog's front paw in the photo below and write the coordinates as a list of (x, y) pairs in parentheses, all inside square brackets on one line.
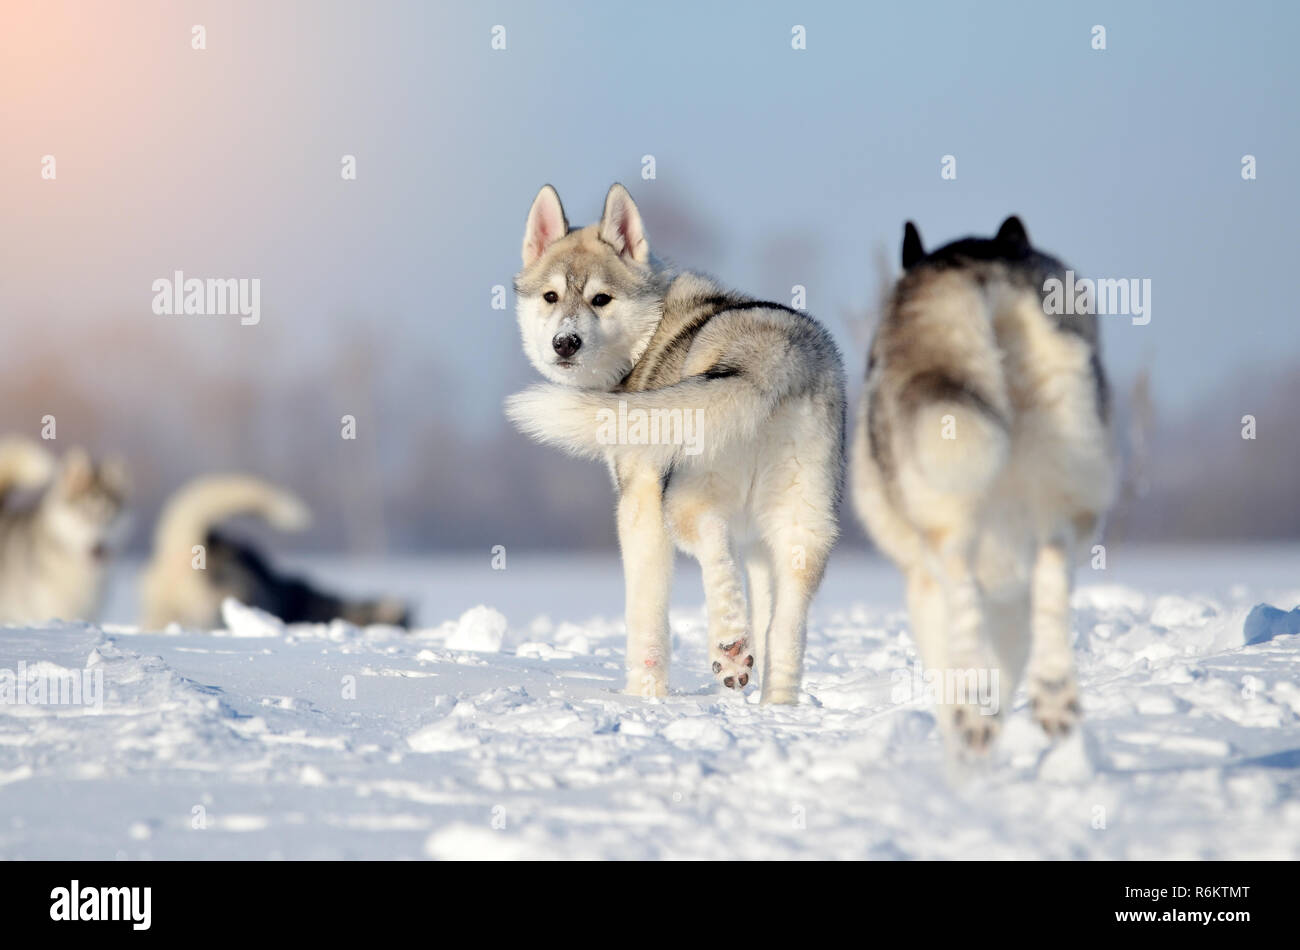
[(974, 727), (733, 663), (1055, 703)]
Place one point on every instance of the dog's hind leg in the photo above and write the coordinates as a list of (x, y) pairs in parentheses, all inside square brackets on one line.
[(731, 651), (794, 503), (800, 538), (1053, 694), (647, 571), (927, 617), (956, 438), (758, 574), (700, 525), (796, 582), (1007, 623), (969, 670)]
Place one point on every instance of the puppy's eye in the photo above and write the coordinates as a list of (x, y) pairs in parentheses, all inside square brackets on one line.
[(550, 296), (600, 300)]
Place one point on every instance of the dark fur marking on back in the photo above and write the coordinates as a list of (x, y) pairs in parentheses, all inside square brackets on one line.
[(1101, 386), (720, 372), (878, 440), (665, 480), (763, 305), (937, 385)]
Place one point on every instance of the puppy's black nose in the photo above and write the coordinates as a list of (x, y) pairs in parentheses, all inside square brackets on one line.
[(566, 344)]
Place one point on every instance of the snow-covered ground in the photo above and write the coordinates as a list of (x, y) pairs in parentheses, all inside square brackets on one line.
[(497, 731)]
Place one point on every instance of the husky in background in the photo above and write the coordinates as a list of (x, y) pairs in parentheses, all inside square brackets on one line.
[(983, 456), (182, 585), (53, 552), (760, 386), (24, 464)]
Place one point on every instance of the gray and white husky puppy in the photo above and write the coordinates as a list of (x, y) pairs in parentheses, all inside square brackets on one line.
[(721, 419), (53, 553), (982, 457)]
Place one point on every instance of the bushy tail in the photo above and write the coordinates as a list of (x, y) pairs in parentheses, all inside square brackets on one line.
[(190, 513), (23, 464), (697, 417)]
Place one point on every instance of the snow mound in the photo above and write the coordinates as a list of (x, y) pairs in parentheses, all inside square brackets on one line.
[(244, 621), (1265, 622), (479, 630)]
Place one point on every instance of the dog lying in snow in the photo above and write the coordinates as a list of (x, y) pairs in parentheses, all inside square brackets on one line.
[(195, 566)]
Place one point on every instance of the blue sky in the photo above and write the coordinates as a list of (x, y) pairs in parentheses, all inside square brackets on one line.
[(225, 162)]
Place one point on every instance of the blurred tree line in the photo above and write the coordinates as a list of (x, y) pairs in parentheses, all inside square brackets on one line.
[(425, 473)]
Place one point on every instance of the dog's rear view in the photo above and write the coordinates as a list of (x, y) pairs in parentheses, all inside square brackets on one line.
[(195, 566), (982, 458)]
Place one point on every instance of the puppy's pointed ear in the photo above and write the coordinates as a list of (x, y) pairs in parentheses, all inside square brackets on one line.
[(621, 228), (115, 474), (1013, 233), (546, 224), (76, 472), (912, 249)]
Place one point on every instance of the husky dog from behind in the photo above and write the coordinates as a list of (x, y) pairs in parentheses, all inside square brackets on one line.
[(54, 552), (982, 458), (721, 419), (195, 566)]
